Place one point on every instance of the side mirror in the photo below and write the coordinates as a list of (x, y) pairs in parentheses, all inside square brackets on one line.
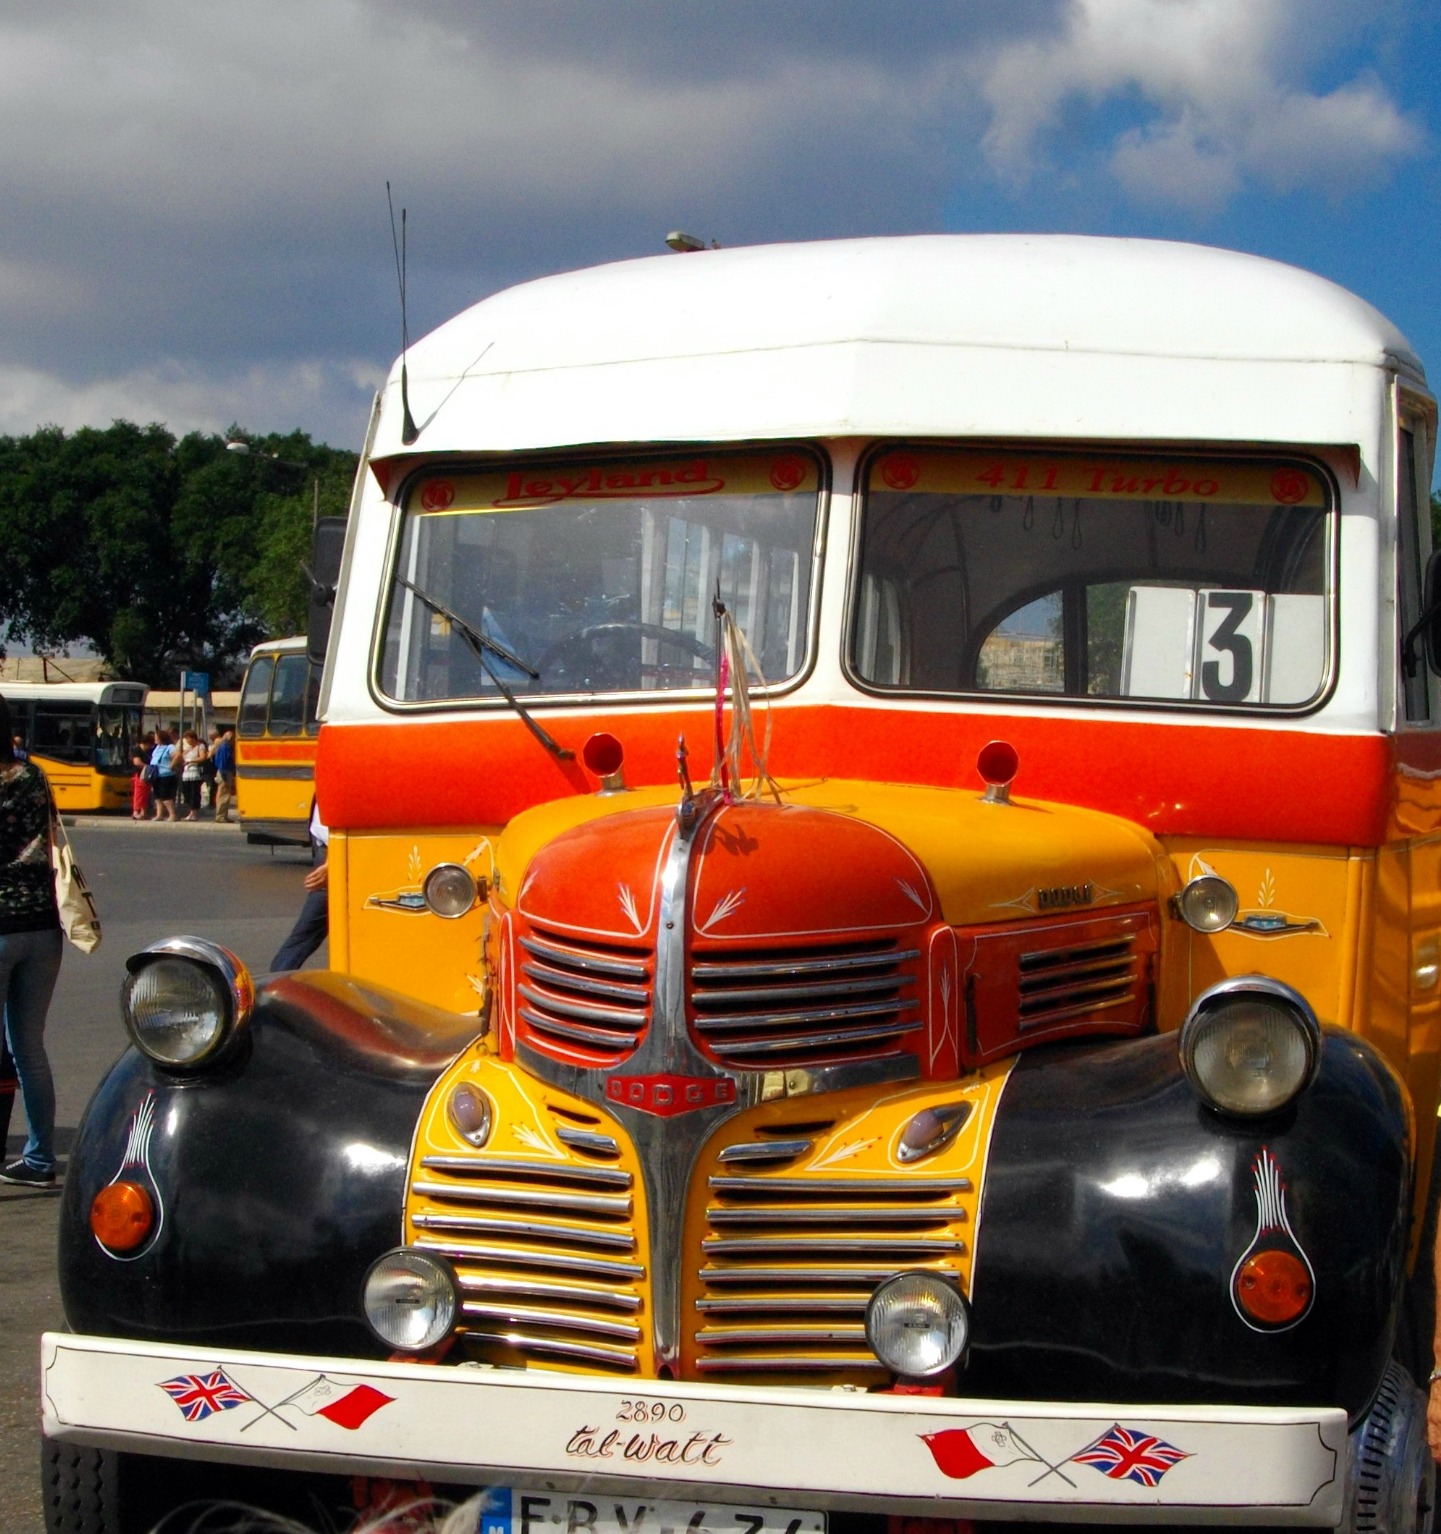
[(323, 572)]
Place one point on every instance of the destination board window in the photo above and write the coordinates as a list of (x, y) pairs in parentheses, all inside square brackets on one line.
[(599, 577), (1200, 581)]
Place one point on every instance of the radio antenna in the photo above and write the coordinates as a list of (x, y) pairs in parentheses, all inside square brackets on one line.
[(409, 431)]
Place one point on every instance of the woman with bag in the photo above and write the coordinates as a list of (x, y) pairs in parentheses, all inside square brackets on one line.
[(30, 943)]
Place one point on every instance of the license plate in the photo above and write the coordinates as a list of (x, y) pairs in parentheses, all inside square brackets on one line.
[(512, 1510)]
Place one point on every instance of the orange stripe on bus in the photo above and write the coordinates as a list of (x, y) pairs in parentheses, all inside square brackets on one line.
[(1251, 784), (275, 751)]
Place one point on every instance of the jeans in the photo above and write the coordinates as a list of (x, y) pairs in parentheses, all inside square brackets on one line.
[(309, 932), (29, 964)]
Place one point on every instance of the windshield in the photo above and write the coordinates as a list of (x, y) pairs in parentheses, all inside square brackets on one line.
[(598, 577), (1199, 581)]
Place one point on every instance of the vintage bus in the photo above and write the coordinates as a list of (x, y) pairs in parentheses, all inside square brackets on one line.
[(275, 741), (886, 835), (82, 734)]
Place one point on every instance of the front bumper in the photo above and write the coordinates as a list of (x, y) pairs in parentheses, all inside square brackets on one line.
[(832, 1449)]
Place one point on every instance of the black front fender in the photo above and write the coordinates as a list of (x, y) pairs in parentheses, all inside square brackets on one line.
[(277, 1178), (1117, 1206)]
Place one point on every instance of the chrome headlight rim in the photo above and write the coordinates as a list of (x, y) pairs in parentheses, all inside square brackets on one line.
[(1210, 1005), (449, 910), (441, 1272), (938, 1286), (1203, 890), (236, 996)]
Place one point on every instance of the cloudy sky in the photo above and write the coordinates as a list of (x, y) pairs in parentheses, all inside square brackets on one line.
[(195, 225)]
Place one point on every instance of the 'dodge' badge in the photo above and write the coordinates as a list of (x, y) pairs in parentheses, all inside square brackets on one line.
[(668, 1095)]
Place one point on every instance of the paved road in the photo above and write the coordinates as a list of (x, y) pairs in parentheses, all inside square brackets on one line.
[(150, 882)]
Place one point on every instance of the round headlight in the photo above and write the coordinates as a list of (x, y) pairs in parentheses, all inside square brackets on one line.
[(449, 890), (470, 1111), (1250, 1045), (183, 1000), (917, 1324), (1208, 903), (410, 1299)]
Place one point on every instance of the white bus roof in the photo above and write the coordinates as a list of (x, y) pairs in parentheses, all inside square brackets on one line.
[(929, 335), (75, 692), (286, 646)]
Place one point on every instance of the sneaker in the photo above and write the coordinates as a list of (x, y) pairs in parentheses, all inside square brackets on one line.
[(27, 1176)]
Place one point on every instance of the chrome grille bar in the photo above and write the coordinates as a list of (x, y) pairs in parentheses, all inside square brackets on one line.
[(731, 1021), (814, 1246), (568, 1320), (611, 990), (704, 969), (531, 1342), (526, 1230), (630, 1019), (749, 1336), (539, 1289), (558, 1171), (782, 1363), (581, 1264), (537, 1198), (586, 960), (821, 1214), (845, 1187), (578, 1033)]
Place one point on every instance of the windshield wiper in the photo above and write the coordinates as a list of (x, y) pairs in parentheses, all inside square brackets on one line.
[(480, 643)]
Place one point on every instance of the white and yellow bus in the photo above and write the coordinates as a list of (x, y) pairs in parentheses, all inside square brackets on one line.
[(82, 735)]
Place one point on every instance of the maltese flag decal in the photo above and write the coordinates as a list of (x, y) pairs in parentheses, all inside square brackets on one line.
[(962, 1451)]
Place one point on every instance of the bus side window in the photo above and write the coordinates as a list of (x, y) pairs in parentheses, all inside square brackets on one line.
[(61, 734), (255, 700), (288, 695), (1410, 545)]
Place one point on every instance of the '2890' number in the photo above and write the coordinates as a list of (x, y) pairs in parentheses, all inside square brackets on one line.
[(650, 1411)]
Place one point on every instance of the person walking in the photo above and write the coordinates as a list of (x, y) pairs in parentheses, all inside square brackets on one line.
[(312, 926), (30, 946)]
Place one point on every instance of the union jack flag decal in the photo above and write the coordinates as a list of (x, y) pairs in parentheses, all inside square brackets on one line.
[(1126, 1455), (201, 1395)]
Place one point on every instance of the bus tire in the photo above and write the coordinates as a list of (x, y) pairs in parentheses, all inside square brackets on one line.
[(81, 1489)]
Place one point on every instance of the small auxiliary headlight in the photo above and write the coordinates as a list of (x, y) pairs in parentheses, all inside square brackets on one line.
[(410, 1299), (184, 1000), (1208, 903), (449, 890), (917, 1324), (471, 1112), (1250, 1045), (931, 1129)]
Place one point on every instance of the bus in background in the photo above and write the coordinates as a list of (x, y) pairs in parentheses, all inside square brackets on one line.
[(81, 734), (275, 739)]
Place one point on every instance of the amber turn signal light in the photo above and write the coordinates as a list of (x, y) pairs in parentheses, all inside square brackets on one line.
[(121, 1216), (1273, 1287)]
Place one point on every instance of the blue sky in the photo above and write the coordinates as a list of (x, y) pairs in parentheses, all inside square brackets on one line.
[(196, 231)]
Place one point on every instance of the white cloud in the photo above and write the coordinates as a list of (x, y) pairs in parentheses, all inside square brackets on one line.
[(1214, 80), (184, 397)]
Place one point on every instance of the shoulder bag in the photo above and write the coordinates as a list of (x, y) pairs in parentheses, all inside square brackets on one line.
[(79, 920)]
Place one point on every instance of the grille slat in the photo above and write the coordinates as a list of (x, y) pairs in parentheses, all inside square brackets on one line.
[(570, 1320), (551, 1274), (789, 1263), (574, 956), (536, 1198), (817, 1006), (580, 996)]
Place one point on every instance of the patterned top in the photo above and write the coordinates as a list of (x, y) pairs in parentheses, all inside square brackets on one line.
[(27, 882)]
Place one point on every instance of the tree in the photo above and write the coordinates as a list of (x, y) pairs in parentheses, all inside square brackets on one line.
[(160, 554)]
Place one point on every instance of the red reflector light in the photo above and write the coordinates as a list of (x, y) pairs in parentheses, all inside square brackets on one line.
[(121, 1216), (603, 754), (997, 762), (1273, 1287)]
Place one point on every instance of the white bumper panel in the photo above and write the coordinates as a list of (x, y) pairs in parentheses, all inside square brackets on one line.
[(762, 1446)]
